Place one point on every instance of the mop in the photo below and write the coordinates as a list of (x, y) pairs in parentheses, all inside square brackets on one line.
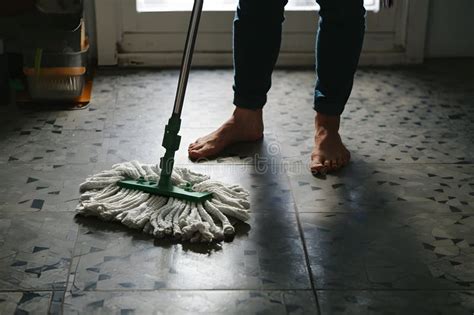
[(162, 200)]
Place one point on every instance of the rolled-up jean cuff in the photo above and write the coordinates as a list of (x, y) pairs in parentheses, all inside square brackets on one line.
[(328, 109), (249, 103)]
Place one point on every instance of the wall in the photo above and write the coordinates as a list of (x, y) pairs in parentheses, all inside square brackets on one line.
[(450, 31), (89, 15)]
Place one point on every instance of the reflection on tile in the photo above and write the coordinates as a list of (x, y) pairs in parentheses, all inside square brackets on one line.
[(192, 302), (268, 184), (267, 254), (397, 302), (36, 249), (386, 187), (404, 250), (24, 302)]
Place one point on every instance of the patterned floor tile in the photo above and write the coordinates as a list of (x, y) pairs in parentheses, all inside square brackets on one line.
[(265, 254), (397, 218), (389, 145), (192, 302), (397, 302), (150, 96), (63, 147), (147, 148), (403, 250), (429, 97), (417, 99), (27, 187), (24, 302), (441, 188), (36, 250), (50, 187)]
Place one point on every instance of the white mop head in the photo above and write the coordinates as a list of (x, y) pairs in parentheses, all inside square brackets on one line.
[(163, 216)]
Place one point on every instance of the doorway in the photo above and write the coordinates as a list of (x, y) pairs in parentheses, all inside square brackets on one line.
[(152, 32)]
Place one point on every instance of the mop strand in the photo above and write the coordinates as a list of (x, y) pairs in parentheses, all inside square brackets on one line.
[(164, 216)]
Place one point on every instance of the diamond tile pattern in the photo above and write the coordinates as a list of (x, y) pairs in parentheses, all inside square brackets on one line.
[(392, 233)]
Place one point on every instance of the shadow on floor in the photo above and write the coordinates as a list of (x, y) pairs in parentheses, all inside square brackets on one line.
[(92, 223)]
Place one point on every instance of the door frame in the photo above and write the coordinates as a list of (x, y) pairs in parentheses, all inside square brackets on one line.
[(124, 27)]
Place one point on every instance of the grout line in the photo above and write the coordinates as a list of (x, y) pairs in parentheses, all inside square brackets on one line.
[(199, 290), (29, 290), (303, 240), (260, 290), (305, 250), (398, 290), (73, 252)]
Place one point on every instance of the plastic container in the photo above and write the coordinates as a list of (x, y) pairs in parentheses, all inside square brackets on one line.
[(55, 76), (56, 83), (66, 37), (56, 59)]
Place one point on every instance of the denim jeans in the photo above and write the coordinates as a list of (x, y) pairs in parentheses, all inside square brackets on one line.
[(257, 38)]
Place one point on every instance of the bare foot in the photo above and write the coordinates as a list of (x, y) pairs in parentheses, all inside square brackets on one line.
[(329, 153), (243, 125)]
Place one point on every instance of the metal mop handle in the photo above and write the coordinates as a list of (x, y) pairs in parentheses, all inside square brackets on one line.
[(187, 56), (171, 139)]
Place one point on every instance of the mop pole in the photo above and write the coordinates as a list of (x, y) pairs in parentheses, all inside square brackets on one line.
[(171, 139)]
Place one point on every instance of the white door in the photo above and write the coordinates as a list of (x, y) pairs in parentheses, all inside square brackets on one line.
[(152, 32)]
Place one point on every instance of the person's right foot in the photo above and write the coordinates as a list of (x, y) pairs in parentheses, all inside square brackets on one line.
[(244, 125)]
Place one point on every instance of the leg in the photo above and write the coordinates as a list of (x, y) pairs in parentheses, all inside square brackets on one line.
[(339, 42), (257, 37)]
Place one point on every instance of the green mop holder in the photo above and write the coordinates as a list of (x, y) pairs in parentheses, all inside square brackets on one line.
[(184, 193), (171, 141)]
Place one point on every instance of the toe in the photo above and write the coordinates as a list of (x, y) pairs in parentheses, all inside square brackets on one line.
[(193, 145), (318, 168), (317, 165), (198, 147), (193, 155), (196, 143), (327, 164), (203, 151), (197, 154)]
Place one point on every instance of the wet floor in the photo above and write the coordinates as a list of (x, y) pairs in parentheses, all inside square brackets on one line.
[(393, 233)]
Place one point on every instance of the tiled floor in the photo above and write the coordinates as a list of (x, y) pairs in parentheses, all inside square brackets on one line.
[(393, 233)]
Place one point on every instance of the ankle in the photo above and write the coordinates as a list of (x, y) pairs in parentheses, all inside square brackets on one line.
[(327, 123), (243, 114)]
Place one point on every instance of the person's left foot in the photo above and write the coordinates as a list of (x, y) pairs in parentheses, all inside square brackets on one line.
[(329, 153)]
